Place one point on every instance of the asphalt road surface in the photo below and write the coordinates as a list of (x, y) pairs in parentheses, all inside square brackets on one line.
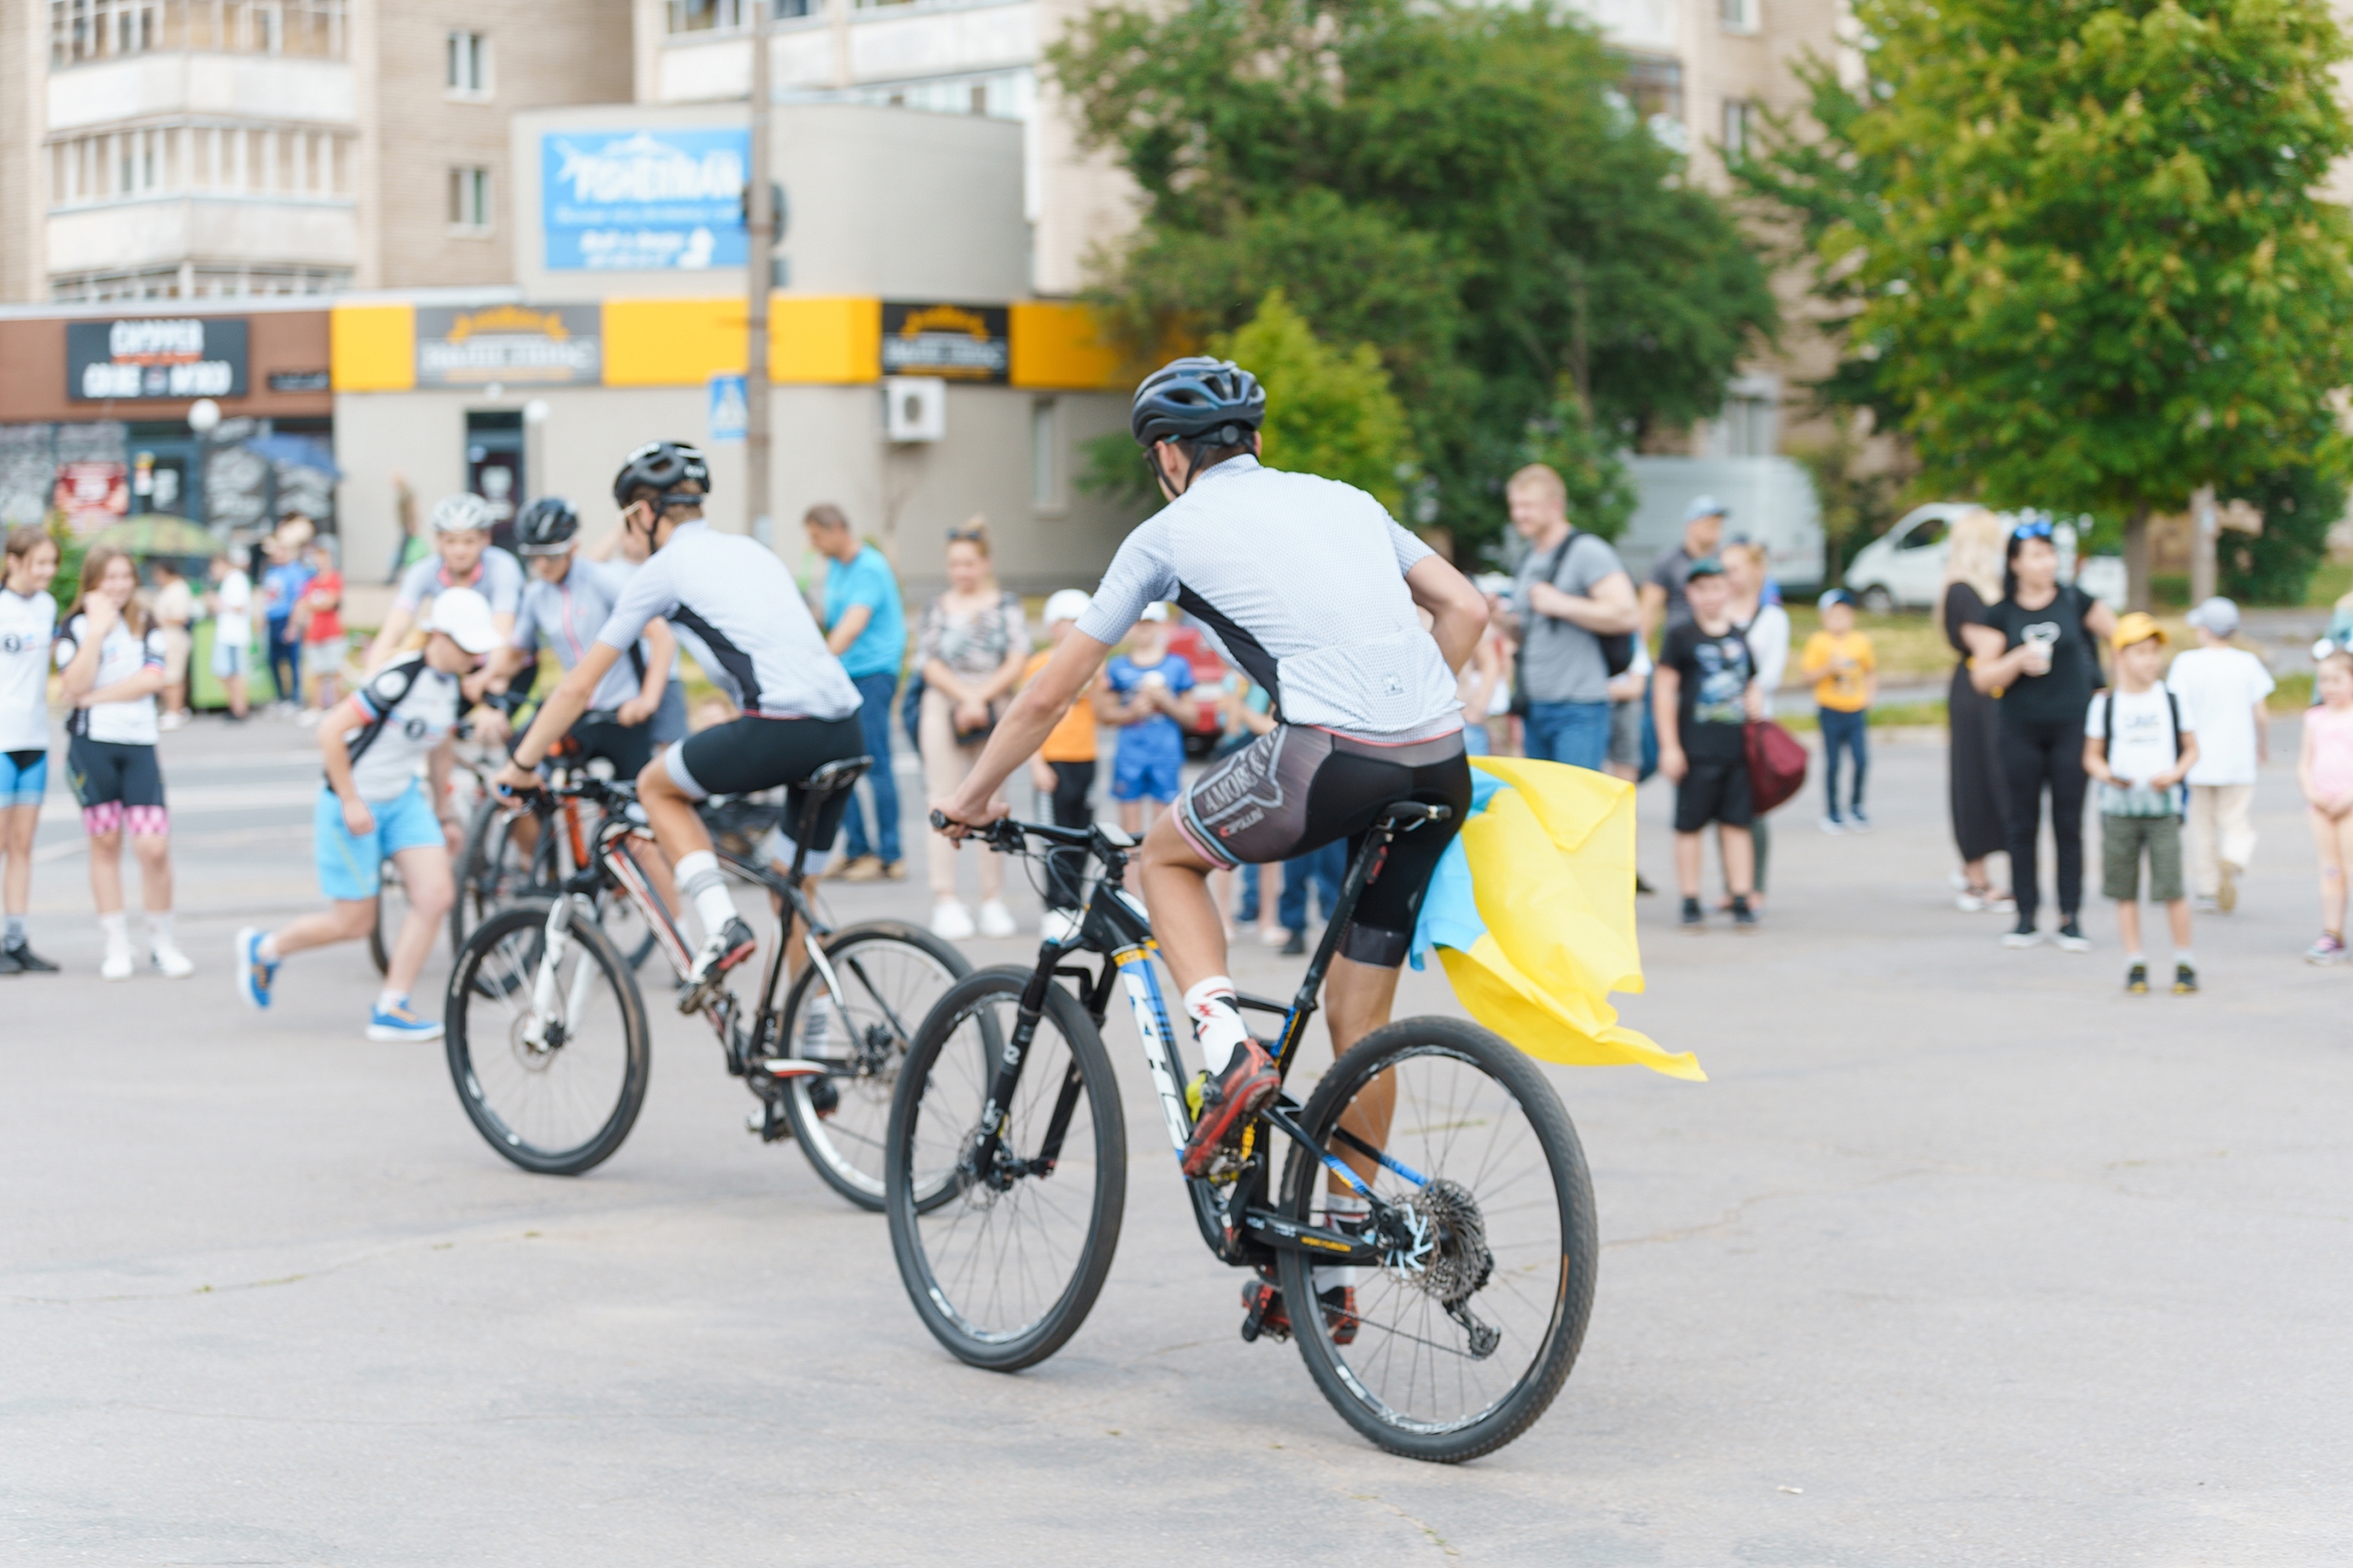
[(1962, 1257)]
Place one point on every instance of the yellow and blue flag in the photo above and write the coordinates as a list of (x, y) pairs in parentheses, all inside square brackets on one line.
[(1532, 913)]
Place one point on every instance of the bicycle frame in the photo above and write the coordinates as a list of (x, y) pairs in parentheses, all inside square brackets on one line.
[(1240, 1224)]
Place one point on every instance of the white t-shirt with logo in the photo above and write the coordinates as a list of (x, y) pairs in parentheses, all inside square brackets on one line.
[(120, 656), (419, 705), (27, 625), (2139, 730), (2219, 688)]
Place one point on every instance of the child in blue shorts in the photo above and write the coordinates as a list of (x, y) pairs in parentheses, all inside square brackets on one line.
[(374, 808), (1147, 692)]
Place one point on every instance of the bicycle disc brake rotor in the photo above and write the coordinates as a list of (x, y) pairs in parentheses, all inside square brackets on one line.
[(530, 1056)]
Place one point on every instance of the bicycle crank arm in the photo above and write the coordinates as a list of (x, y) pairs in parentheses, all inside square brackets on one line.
[(792, 1067), (1290, 1236)]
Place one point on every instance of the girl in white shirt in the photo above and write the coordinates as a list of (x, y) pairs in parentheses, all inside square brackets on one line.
[(113, 664), (28, 619)]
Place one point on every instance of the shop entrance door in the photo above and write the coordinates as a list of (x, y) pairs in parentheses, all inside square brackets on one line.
[(494, 466), (163, 478)]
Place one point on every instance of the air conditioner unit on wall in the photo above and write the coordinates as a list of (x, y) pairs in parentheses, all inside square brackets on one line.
[(916, 407)]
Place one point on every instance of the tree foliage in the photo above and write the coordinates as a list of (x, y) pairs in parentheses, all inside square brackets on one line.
[(1457, 186), (1327, 412), (2275, 567), (2086, 262)]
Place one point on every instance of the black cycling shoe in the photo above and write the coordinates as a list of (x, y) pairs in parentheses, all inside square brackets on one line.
[(1229, 1100), (1264, 1311), (729, 946), (25, 961)]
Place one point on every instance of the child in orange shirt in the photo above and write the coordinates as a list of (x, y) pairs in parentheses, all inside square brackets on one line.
[(1846, 678)]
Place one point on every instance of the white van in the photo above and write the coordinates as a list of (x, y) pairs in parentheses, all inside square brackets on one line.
[(1905, 567)]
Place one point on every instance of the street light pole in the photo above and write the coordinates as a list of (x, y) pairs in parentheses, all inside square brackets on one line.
[(760, 244)]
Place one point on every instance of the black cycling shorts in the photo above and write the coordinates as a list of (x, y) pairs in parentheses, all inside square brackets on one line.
[(751, 754), (1714, 791), (628, 747), (1297, 788), (113, 772)]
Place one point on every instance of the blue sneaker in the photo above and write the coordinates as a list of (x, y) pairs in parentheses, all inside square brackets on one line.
[(255, 973), (398, 1022)]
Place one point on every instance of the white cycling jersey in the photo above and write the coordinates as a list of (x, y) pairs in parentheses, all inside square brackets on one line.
[(737, 610), (1302, 579), (27, 623)]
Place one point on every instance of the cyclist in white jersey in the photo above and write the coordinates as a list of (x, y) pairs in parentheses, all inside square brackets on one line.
[(734, 607), (1314, 589), (464, 558), (28, 620)]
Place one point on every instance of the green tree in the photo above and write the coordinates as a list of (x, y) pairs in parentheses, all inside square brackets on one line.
[(1602, 494), (1327, 412), (2086, 263), (1459, 185), (2275, 567)]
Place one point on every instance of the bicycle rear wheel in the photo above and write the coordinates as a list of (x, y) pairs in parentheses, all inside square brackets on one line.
[(1003, 1261), (391, 912), (556, 1100), (1459, 1344), (889, 976)]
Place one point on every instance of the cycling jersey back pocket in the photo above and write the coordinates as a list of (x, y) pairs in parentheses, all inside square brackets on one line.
[(1380, 686)]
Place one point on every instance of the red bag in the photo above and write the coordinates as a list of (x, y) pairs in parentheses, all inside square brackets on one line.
[(1777, 765)]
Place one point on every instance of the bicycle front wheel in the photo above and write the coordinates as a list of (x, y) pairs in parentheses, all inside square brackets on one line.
[(493, 869), (1004, 1255), (557, 1090), (1459, 1342), (887, 976)]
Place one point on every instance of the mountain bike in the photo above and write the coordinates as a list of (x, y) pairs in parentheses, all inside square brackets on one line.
[(1464, 1264), (547, 1034)]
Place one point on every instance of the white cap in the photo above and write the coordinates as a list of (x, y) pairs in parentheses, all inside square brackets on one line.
[(1705, 506), (464, 616), (1156, 611), (1066, 604), (2218, 615)]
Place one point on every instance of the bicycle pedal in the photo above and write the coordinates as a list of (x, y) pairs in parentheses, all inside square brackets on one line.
[(1263, 1314)]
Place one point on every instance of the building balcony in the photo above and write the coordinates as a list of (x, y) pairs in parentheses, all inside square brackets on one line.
[(887, 44), (157, 231), (163, 85)]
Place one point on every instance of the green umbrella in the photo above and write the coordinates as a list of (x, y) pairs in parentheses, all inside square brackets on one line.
[(157, 535)]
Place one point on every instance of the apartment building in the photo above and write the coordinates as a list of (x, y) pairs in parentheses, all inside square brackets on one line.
[(158, 150)]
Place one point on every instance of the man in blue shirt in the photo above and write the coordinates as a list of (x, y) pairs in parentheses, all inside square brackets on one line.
[(866, 627), (282, 587)]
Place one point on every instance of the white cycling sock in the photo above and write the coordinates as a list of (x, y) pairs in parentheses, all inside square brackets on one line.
[(1340, 1209), (1217, 1021), (267, 949), (117, 927), (389, 1000), (158, 929), (698, 880)]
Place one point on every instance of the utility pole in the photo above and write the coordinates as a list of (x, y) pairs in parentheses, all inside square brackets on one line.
[(760, 243)]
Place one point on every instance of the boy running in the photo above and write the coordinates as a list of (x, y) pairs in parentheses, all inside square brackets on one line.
[(2136, 747), (372, 809)]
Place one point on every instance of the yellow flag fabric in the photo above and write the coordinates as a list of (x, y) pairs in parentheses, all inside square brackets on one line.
[(1552, 873)]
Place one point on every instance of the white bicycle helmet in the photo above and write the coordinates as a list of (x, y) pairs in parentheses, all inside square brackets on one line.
[(462, 513)]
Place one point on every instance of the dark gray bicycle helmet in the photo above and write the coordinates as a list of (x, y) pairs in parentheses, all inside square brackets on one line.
[(662, 466), (1197, 398), (546, 527)]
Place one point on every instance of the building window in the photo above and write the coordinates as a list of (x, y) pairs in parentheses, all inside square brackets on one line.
[(469, 73), (470, 198), (726, 15), (1739, 116), (1045, 458), (1741, 16), (1750, 422), (82, 30)]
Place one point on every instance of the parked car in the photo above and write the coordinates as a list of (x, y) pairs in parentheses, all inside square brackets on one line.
[(1905, 567)]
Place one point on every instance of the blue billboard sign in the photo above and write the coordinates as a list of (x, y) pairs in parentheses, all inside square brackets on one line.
[(655, 200)]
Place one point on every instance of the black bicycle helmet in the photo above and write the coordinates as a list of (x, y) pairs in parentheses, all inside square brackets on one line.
[(1197, 398), (662, 466), (546, 527)]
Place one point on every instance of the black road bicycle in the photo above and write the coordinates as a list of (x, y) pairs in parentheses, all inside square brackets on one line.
[(1440, 1312), (547, 1033)]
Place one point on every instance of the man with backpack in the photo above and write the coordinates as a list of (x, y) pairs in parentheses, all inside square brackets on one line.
[(2136, 747), (1575, 615)]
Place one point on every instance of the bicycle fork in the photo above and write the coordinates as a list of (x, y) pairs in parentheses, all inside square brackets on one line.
[(552, 1007)]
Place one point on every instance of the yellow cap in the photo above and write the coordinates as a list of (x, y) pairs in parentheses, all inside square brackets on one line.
[(2138, 626)]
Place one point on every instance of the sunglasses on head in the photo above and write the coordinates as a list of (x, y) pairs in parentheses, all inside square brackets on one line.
[(965, 536), (2031, 531)]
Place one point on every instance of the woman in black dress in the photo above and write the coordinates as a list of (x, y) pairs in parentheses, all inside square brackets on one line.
[(2036, 650), (1980, 815)]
